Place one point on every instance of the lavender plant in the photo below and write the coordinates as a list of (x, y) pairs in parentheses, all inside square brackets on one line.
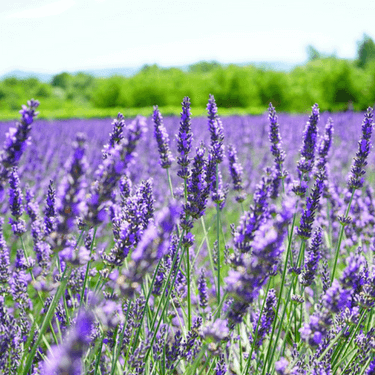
[(109, 274)]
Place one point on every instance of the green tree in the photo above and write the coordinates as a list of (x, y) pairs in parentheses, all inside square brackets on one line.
[(365, 51), (62, 80), (313, 53), (203, 66)]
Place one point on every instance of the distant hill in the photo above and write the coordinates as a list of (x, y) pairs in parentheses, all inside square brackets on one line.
[(128, 72), (45, 77)]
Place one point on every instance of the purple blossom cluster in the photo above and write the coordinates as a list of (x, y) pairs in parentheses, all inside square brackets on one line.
[(110, 266)]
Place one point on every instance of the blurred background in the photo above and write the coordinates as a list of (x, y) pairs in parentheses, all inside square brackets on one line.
[(92, 58)]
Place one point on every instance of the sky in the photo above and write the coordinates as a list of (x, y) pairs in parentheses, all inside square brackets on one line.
[(51, 36)]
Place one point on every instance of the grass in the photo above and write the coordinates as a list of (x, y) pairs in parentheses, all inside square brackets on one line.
[(85, 113)]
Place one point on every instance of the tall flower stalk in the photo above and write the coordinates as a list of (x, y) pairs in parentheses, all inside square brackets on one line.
[(276, 150), (216, 156), (16, 142), (356, 179)]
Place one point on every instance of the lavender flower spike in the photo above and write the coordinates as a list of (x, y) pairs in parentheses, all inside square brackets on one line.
[(4, 260), (67, 357), (325, 145), (116, 135), (184, 139), (215, 127), (312, 203), (306, 163), (202, 289), (16, 140), (276, 150), (197, 187), (253, 270), (50, 210), (266, 320), (313, 256), (15, 194), (364, 145), (275, 139), (71, 192), (236, 172), (15, 204), (162, 139)]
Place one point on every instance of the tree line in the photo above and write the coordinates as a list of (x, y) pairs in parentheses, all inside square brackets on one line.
[(333, 82)]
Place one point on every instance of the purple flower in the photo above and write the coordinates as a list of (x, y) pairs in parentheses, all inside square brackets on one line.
[(336, 298), (219, 192), (110, 172), (202, 290), (184, 140), (16, 141), (173, 351), (153, 245), (312, 203), (216, 331), (129, 224), (75, 257), (312, 259), (118, 126), (162, 139), (50, 210), (236, 172), (215, 127), (71, 192), (125, 186), (281, 365), (325, 145), (276, 150), (31, 207), (4, 259), (266, 320), (317, 329), (252, 270), (306, 163), (15, 194), (15, 204), (67, 357), (371, 368), (221, 366), (188, 346), (197, 187), (254, 218), (356, 178)]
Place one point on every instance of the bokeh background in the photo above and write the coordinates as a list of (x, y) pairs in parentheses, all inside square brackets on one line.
[(92, 58)]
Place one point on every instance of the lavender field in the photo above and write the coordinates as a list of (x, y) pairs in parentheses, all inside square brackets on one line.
[(191, 245)]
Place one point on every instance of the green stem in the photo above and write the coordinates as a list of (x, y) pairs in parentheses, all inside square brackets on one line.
[(257, 327), (288, 254), (170, 183), (38, 293), (47, 319), (340, 237), (188, 281), (146, 304), (165, 305), (209, 250), (218, 237), (87, 270), (351, 339)]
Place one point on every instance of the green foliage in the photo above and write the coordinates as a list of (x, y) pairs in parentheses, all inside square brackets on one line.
[(203, 66), (107, 92), (365, 51), (313, 53), (334, 83)]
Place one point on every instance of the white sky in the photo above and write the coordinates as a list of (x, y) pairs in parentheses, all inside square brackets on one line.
[(55, 35)]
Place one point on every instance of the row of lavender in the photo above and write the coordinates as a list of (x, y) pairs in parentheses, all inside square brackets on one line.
[(102, 271)]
